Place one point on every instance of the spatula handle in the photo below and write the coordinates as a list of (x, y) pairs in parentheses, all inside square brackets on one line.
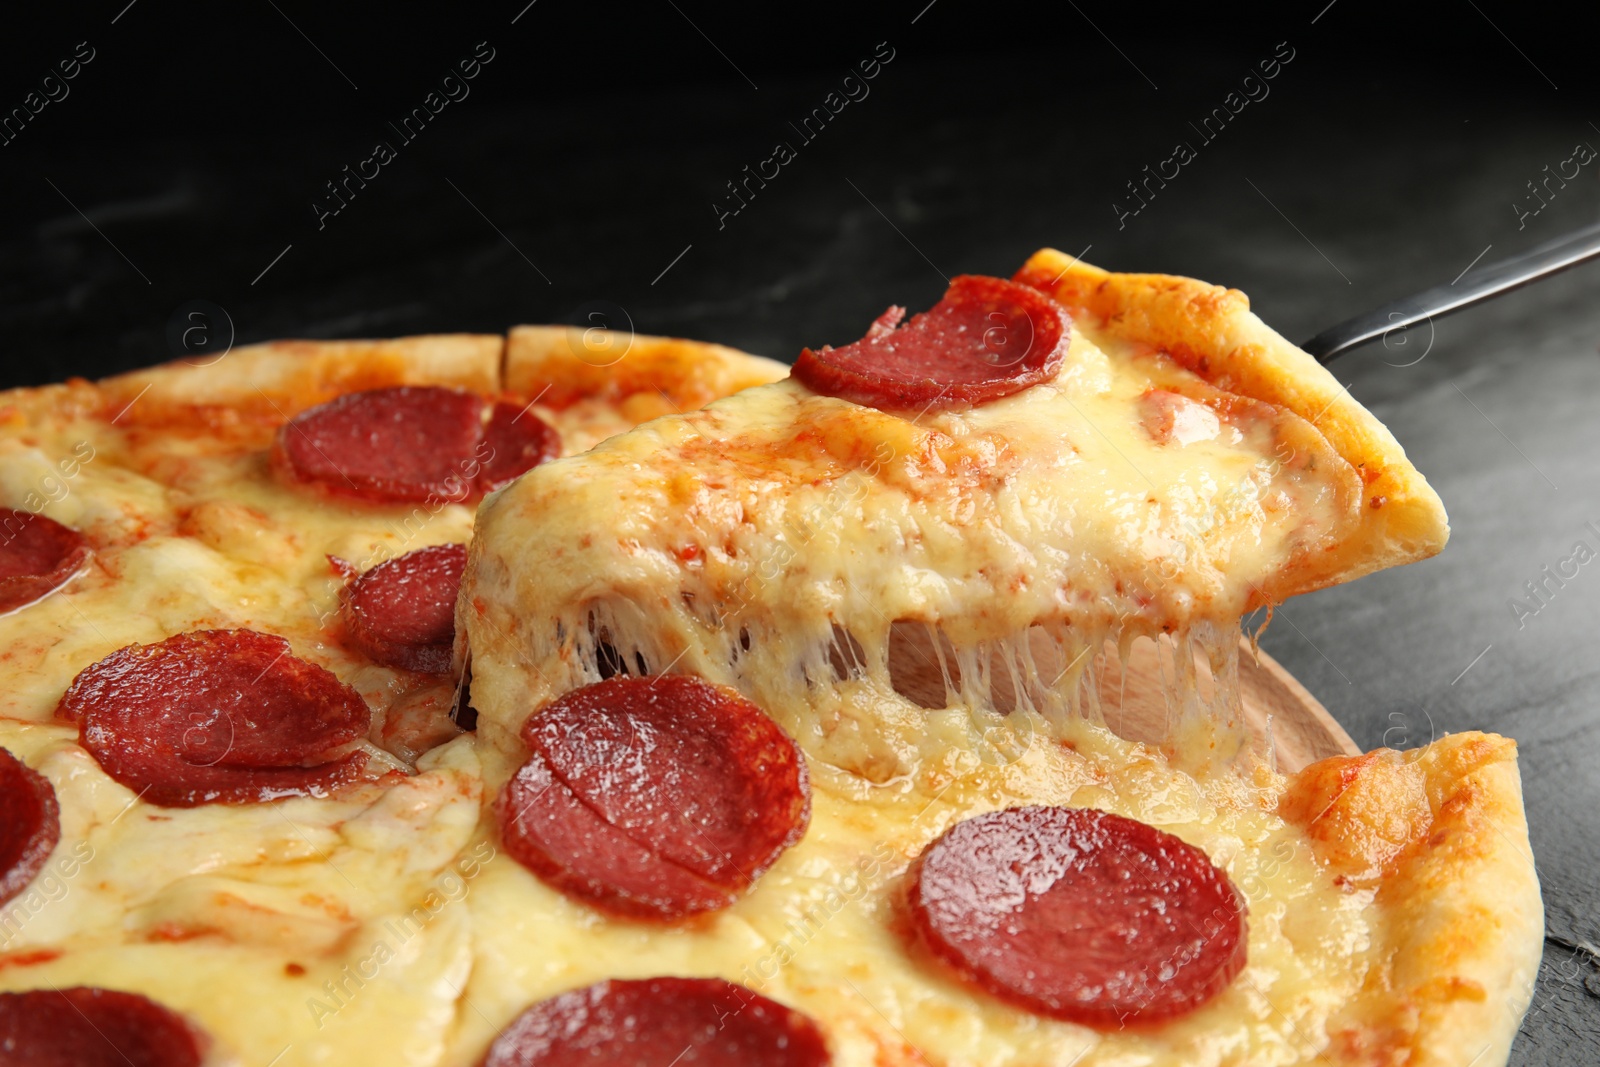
[(1474, 286)]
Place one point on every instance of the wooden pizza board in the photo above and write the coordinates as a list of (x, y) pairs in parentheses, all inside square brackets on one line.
[(1277, 708), (1302, 731), (1132, 702)]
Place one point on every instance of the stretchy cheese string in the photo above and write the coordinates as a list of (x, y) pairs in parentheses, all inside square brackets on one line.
[(878, 698)]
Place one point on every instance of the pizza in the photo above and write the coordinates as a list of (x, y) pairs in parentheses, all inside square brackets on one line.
[(920, 557), (227, 592), (571, 696)]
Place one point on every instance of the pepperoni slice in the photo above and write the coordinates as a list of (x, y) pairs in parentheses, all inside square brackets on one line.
[(555, 835), (37, 555), (218, 716), (653, 1022), (986, 339), (660, 796), (399, 444), (1079, 914), (518, 441), (402, 613), (30, 824), (87, 1027), (410, 443)]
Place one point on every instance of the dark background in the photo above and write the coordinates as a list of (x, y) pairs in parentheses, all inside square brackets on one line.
[(1391, 153)]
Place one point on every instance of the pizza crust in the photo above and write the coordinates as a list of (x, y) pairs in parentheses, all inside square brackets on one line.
[(601, 382), (1210, 330), (577, 363), (590, 383), (282, 378), (1458, 896)]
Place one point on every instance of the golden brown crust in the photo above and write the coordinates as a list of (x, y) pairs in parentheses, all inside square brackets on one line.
[(654, 375), (1211, 330), (1360, 813), (1441, 833), (626, 380), (282, 378)]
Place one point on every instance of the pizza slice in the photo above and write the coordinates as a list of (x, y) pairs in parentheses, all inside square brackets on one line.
[(237, 817), (915, 562)]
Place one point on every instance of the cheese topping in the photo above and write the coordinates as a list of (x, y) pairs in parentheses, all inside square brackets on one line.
[(266, 923), (922, 603), (305, 931), (787, 544), (823, 930)]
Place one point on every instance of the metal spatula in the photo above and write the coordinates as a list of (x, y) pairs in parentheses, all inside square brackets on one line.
[(1473, 287)]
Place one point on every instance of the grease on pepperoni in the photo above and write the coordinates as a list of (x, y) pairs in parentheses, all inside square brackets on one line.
[(660, 796), (37, 556), (401, 613), (30, 824), (653, 1022), (411, 443), (1079, 914), (88, 1027), (986, 339), (218, 716)]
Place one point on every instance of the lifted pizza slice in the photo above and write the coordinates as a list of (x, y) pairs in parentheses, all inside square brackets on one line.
[(913, 556), (1113, 478)]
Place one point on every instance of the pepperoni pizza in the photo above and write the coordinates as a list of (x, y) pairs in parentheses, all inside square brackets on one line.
[(767, 731), (226, 614), (921, 558)]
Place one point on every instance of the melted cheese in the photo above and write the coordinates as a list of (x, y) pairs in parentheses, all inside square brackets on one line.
[(300, 932), (823, 929), (774, 540), (304, 927), (921, 602), (190, 531)]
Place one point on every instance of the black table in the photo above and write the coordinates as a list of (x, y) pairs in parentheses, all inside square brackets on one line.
[(533, 201)]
